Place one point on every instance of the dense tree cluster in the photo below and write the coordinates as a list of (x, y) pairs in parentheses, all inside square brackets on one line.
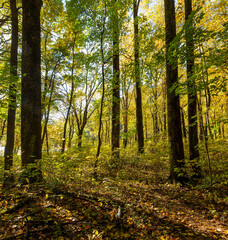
[(112, 72)]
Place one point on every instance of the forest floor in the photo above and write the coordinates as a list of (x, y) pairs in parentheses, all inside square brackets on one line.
[(114, 208)]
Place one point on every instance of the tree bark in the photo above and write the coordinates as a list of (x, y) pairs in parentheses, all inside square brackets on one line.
[(115, 144), (192, 95), (176, 149), (164, 104), (138, 99), (3, 125), (31, 83), (12, 88), (156, 127), (184, 133), (125, 90), (71, 131), (125, 123)]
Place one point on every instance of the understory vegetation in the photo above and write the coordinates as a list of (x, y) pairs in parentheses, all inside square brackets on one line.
[(134, 202)]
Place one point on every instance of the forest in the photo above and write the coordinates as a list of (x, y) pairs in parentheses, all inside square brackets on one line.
[(113, 119)]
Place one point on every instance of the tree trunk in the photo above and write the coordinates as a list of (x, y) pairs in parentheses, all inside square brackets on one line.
[(71, 100), (48, 109), (102, 96), (138, 99), (146, 130), (200, 113), (176, 149), (183, 124), (80, 132), (3, 125), (164, 104), (47, 143), (106, 132), (125, 114), (12, 88), (31, 85), (71, 132), (116, 86), (156, 127), (207, 93), (192, 95), (125, 123)]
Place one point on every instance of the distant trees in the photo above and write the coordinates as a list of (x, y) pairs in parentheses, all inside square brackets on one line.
[(71, 96)]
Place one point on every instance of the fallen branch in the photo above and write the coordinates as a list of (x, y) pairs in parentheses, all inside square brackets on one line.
[(19, 205), (91, 199), (22, 235)]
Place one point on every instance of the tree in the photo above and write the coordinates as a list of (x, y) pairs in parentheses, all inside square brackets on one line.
[(139, 116), (8, 154), (31, 86), (126, 84), (53, 54), (176, 149), (71, 96), (116, 83), (88, 83), (192, 95), (102, 32)]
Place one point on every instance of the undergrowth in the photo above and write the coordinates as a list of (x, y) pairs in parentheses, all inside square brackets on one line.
[(132, 201)]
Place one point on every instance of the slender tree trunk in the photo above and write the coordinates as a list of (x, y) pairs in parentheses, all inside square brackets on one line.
[(207, 95), (146, 130), (176, 149), (125, 116), (139, 116), (164, 104), (156, 127), (106, 131), (3, 125), (71, 132), (12, 88), (71, 100), (45, 77), (125, 123), (9, 148), (31, 83), (183, 124), (66, 120), (102, 96), (161, 123), (200, 113), (115, 85), (47, 143), (48, 110), (80, 137), (223, 131), (207, 118)]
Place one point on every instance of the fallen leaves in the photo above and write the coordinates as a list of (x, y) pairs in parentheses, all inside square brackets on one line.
[(147, 212)]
